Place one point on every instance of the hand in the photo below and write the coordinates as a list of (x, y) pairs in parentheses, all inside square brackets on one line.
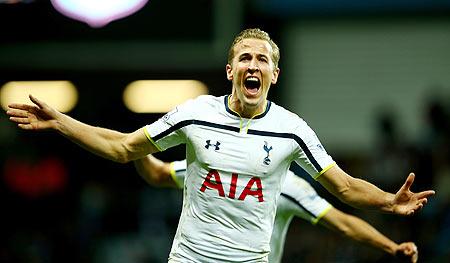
[(30, 117), (407, 252), (406, 202)]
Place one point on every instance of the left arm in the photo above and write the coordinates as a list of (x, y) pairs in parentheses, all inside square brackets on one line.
[(359, 230), (362, 194)]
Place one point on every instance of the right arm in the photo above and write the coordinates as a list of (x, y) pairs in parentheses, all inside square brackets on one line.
[(109, 144), (361, 231), (356, 192)]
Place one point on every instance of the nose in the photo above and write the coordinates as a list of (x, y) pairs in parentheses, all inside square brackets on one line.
[(253, 66)]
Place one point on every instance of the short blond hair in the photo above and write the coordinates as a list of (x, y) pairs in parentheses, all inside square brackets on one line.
[(255, 33)]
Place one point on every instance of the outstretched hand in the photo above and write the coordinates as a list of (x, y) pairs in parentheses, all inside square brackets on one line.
[(407, 252), (32, 117), (406, 202)]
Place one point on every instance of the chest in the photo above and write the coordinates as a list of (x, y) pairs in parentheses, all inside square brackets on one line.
[(250, 154)]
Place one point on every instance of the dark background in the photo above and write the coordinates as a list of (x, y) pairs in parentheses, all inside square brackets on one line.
[(63, 204)]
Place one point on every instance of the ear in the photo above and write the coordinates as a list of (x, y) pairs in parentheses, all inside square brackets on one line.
[(229, 71), (275, 75)]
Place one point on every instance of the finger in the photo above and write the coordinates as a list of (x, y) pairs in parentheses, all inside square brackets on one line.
[(415, 209), (415, 250), (19, 106), (20, 120), (411, 250), (415, 257), (16, 113), (26, 126), (425, 194), (420, 203), (402, 255), (423, 201)]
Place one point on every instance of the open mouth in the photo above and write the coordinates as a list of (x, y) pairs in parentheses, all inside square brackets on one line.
[(252, 84)]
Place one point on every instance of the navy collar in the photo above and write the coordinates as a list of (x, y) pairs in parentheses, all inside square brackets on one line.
[(232, 112)]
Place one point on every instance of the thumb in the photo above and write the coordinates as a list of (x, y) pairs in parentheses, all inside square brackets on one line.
[(39, 103), (409, 181)]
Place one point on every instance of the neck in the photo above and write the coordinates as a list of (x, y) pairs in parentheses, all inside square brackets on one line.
[(245, 111)]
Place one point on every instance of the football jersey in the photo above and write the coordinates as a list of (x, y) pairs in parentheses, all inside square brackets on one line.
[(298, 198), (235, 170)]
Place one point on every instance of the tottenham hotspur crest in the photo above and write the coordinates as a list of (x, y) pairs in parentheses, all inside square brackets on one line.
[(267, 149)]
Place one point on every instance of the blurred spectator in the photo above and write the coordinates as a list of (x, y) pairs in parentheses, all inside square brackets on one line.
[(435, 146), (390, 160)]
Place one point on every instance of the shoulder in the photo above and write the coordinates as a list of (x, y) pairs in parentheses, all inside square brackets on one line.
[(203, 102), (286, 119), (209, 99), (195, 106)]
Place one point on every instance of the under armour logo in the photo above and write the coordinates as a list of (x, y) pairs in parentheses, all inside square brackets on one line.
[(216, 146), (267, 149)]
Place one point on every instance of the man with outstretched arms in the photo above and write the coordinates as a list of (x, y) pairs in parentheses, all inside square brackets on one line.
[(239, 148), (297, 198), (234, 167)]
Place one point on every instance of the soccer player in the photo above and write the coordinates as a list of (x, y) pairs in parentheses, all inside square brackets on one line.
[(238, 150), (298, 198)]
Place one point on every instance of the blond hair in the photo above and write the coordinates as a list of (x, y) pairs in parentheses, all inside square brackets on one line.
[(255, 33)]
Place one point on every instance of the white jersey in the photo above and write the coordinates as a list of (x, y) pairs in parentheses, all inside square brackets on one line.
[(236, 168), (298, 198)]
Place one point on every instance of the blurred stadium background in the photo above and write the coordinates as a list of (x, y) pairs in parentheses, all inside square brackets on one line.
[(372, 79)]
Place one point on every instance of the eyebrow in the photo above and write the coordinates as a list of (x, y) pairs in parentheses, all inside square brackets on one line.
[(249, 54), (244, 54)]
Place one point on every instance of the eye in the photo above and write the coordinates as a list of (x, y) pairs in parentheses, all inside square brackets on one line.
[(263, 59), (244, 58)]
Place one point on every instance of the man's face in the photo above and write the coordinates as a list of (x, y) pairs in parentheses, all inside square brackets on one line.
[(252, 71)]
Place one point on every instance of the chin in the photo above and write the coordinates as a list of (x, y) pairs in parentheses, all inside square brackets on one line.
[(254, 102), (252, 97)]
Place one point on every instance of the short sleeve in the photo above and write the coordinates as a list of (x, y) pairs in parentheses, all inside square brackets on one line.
[(168, 131), (178, 172), (311, 154), (307, 203)]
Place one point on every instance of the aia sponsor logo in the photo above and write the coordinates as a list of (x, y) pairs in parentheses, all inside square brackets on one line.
[(213, 182)]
